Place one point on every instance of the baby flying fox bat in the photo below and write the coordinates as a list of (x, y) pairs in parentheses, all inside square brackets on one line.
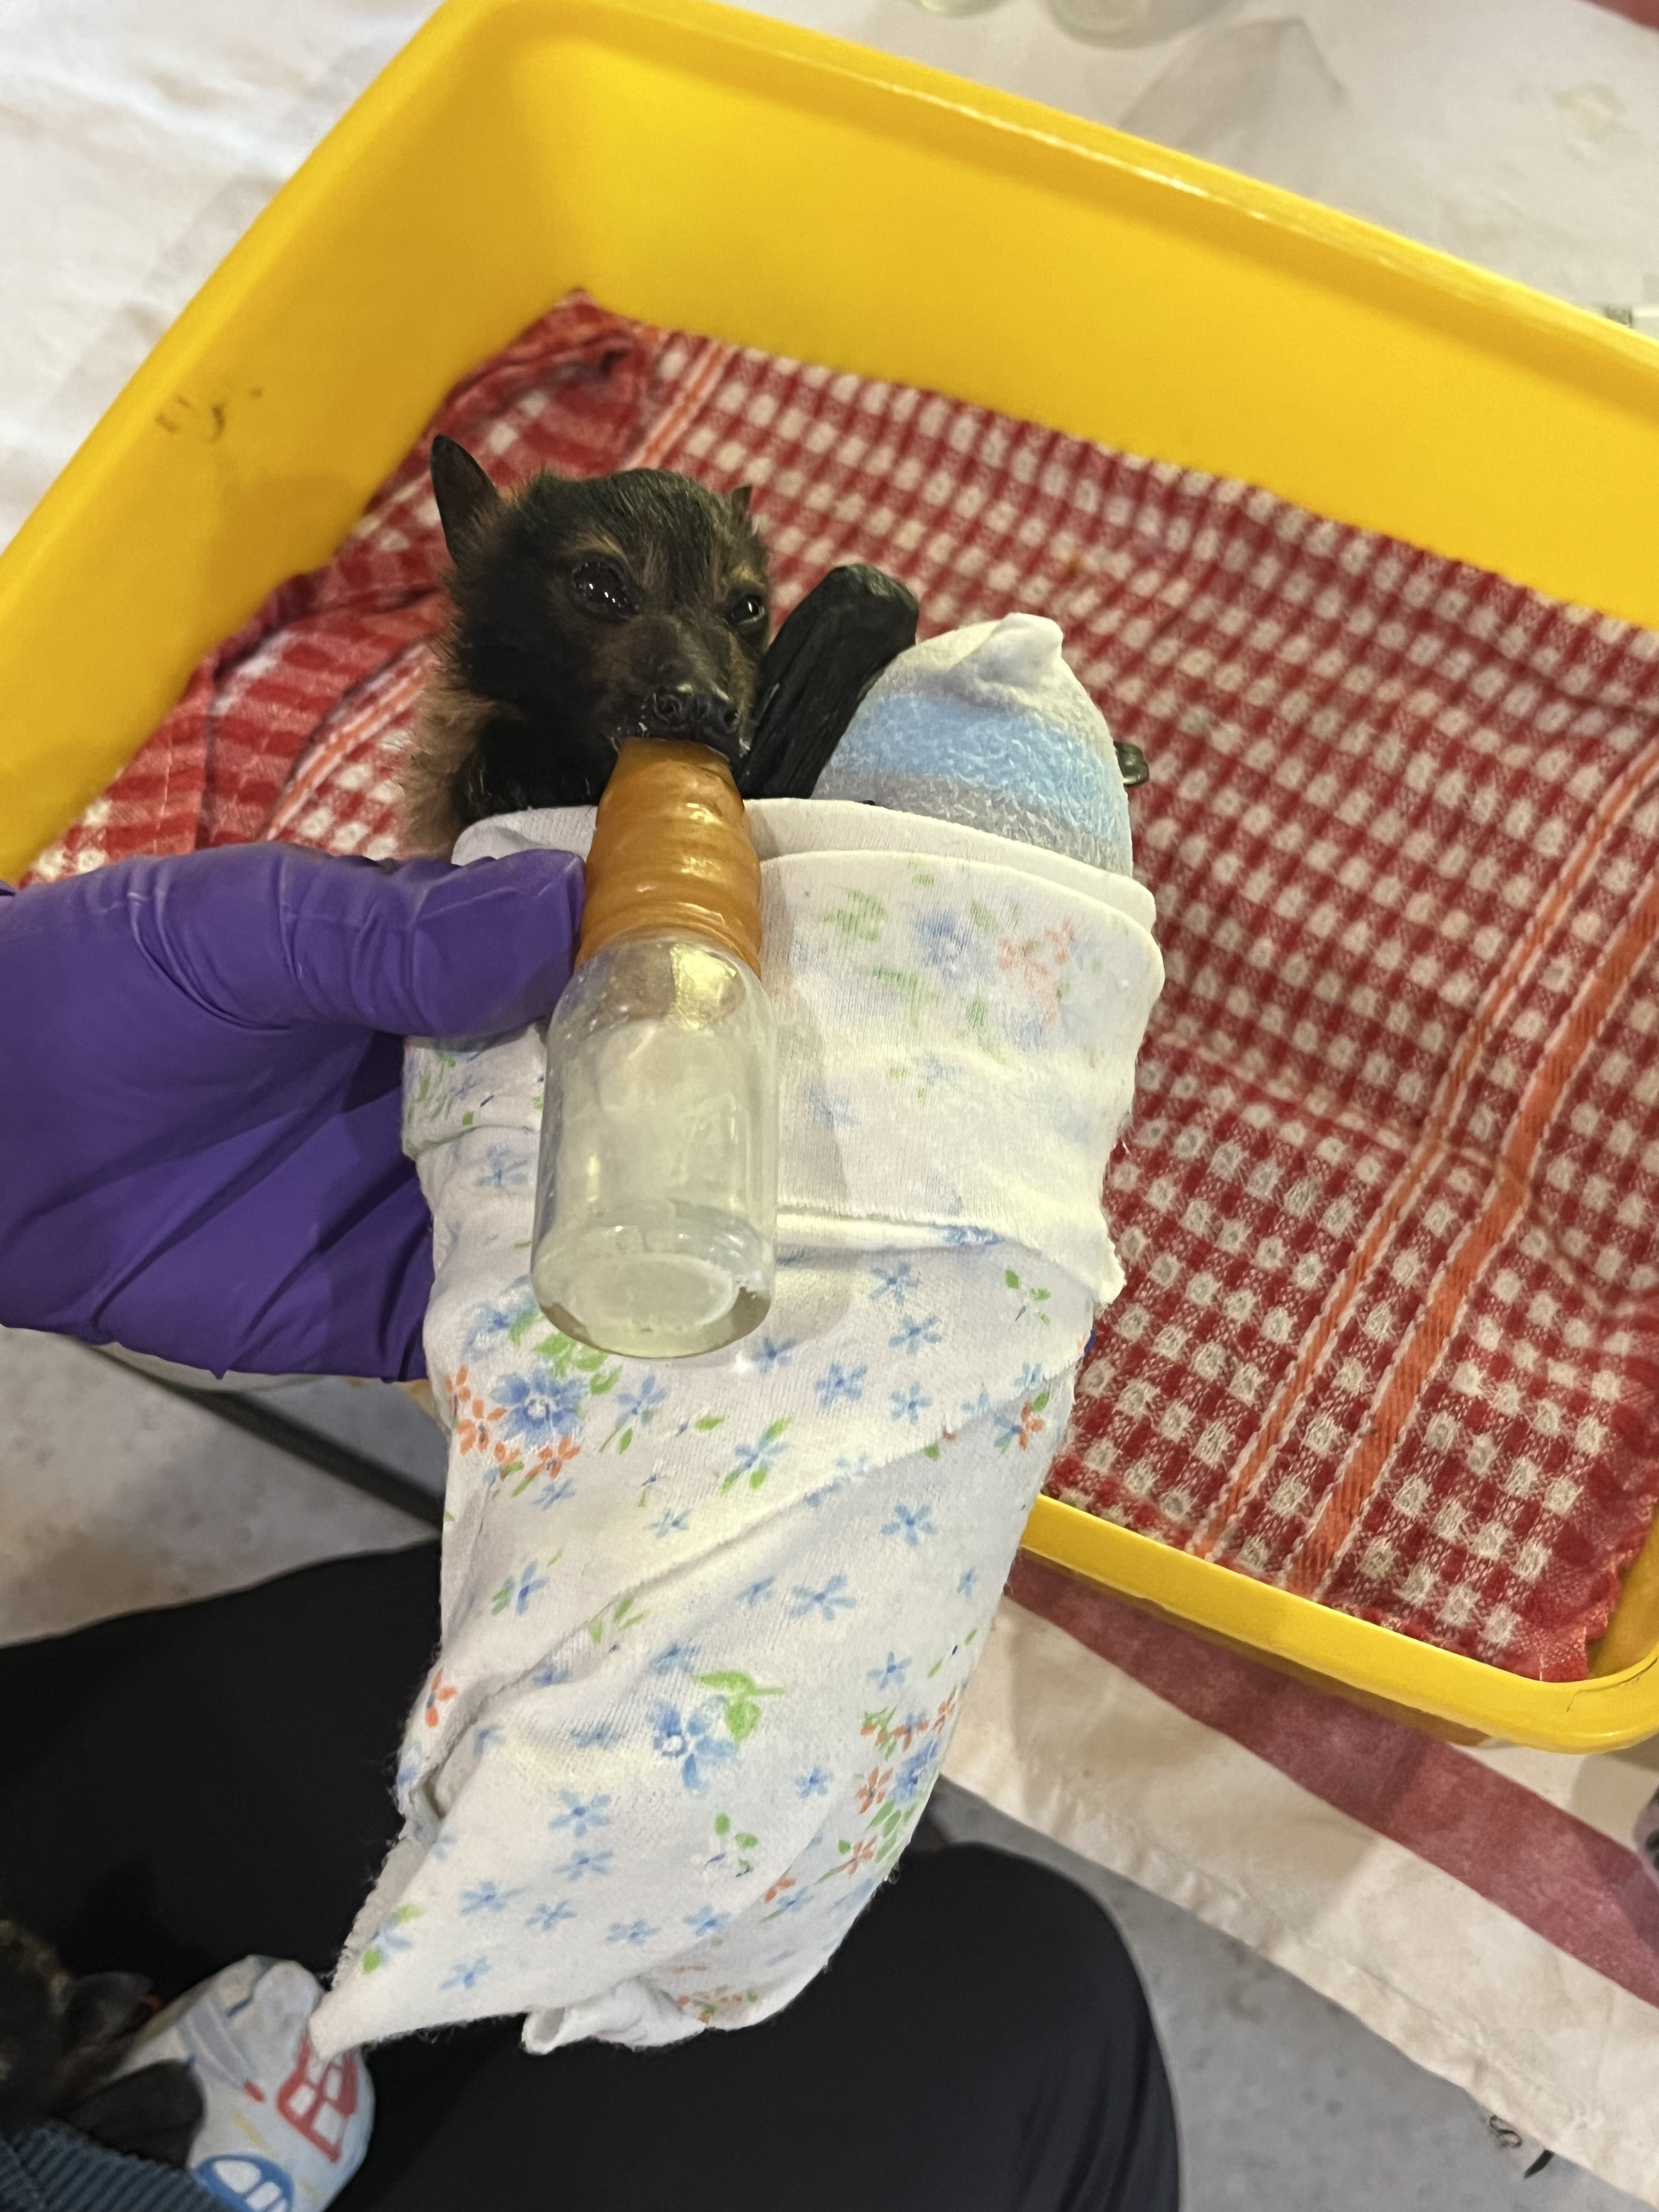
[(630, 605)]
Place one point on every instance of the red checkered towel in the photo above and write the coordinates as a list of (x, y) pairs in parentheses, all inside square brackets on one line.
[(1389, 1210)]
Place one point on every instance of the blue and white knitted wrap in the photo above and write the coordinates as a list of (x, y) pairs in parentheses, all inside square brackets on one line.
[(988, 727)]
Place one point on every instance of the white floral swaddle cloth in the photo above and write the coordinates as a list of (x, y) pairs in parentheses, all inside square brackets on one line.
[(707, 1623)]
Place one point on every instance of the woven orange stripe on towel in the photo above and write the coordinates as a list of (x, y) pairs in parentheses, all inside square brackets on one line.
[(1389, 1205)]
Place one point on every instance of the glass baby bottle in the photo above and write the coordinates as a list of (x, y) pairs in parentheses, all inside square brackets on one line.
[(656, 1195)]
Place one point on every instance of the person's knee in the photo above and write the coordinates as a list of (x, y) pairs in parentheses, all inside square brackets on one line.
[(1045, 1945), (1066, 2025)]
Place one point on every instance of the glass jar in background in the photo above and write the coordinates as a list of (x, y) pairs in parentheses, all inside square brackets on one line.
[(958, 7), (1130, 23)]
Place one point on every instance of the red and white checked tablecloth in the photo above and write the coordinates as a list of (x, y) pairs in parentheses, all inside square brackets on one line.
[(1389, 1206)]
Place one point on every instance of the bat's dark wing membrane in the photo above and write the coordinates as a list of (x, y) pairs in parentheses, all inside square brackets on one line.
[(816, 671)]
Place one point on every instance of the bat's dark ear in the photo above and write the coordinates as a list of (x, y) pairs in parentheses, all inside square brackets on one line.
[(466, 498), (738, 501)]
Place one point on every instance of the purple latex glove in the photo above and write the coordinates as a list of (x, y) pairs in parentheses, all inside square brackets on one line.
[(200, 1069)]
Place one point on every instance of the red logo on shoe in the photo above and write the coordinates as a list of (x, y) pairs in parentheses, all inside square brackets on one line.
[(320, 2097)]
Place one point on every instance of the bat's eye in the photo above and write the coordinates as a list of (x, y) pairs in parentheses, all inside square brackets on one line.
[(746, 611), (605, 587)]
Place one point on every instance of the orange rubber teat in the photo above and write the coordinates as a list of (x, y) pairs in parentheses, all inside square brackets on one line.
[(671, 853)]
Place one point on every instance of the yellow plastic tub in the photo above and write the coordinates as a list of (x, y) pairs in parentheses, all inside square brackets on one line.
[(700, 167)]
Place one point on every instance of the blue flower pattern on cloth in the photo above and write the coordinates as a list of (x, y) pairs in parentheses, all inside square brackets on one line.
[(696, 1743), (537, 1405), (579, 1815), (711, 1690)]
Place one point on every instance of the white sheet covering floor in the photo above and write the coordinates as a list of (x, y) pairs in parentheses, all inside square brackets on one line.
[(138, 137)]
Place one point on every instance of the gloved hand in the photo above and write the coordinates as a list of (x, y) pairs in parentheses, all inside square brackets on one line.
[(200, 1074)]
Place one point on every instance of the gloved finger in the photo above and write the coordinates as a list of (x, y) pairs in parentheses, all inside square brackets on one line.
[(272, 935)]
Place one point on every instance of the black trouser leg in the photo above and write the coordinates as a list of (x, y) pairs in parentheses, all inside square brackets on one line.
[(179, 1788), (182, 1787), (980, 2044)]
